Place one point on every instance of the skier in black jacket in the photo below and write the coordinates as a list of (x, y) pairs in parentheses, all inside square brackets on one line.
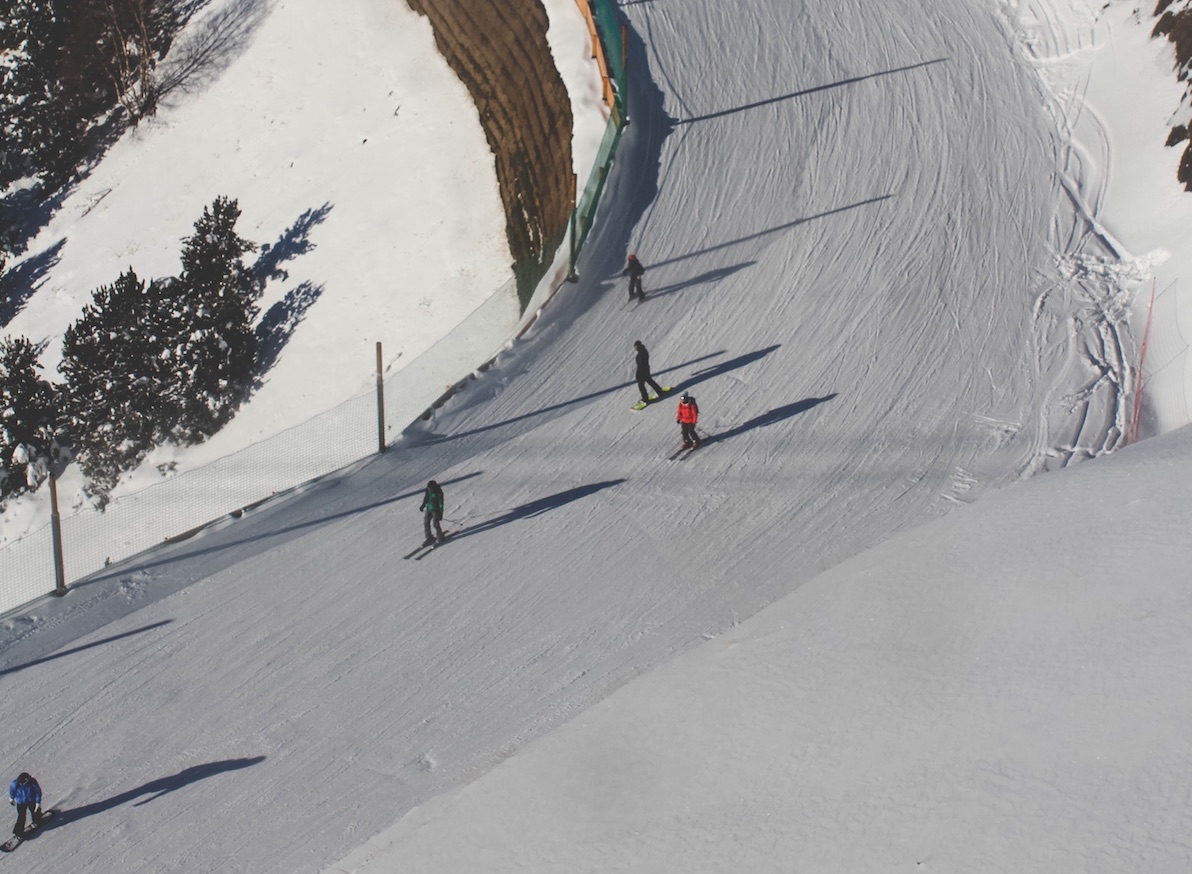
[(643, 374), (634, 270)]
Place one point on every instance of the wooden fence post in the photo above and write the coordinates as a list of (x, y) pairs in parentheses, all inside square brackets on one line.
[(572, 276), (380, 403), (56, 531)]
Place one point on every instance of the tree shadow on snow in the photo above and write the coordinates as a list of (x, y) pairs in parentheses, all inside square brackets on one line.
[(209, 47), (778, 414), (19, 284), (537, 507), (294, 241), (280, 322), (154, 789)]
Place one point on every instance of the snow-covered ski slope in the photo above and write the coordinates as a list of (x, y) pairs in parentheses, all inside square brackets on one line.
[(850, 215)]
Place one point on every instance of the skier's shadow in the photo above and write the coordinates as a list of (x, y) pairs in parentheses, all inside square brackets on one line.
[(273, 533), (537, 507), (777, 414), (62, 653), (725, 366), (553, 408), (154, 789), (711, 276)]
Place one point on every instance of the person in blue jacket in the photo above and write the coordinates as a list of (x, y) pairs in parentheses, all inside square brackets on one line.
[(25, 793)]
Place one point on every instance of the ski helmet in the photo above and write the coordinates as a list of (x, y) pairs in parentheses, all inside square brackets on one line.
[(632, 257), (23, 778)]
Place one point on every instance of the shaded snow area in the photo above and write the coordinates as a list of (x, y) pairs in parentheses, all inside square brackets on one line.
[(806, 646)]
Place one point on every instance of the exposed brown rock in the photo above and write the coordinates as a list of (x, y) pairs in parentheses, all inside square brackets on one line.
[(498, 49)]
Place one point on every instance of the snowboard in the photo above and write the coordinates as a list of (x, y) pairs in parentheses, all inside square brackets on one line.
[(16, 840), (641, 405)]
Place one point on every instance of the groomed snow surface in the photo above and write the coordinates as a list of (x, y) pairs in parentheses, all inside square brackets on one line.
[(806, 647)]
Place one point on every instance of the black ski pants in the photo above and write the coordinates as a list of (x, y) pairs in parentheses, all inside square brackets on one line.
[(436, 517), (644, 379), (26, 807)]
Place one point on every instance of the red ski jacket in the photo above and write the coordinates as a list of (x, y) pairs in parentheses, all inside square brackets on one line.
[(688, 413)]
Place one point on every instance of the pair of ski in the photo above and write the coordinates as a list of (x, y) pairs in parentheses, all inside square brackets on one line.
[(425, 549), (16, 840), (641, 405), (684, 452)]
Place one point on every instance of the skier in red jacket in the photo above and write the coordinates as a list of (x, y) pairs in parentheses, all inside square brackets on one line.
[(687, 417)]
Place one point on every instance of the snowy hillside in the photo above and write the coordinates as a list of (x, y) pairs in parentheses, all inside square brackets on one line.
[(369, 185), (773, 651)]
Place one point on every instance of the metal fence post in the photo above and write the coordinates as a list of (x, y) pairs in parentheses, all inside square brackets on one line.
[(56, 530), (572, 276), (625, 70), (380, 403)]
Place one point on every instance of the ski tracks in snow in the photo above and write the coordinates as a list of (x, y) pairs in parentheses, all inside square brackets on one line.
[(1082, 334)]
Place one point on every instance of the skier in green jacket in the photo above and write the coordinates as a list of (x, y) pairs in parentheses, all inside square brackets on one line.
[(432, 511)]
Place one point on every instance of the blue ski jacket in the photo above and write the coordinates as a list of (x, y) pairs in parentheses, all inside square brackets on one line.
[(29, 793)]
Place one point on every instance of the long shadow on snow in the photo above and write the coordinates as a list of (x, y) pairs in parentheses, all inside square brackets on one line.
[(65, 652), (785, 226), (778, 414), (704, 278), (154, 789), (725, 366), (538, 507), (123, 568), (806, 91), (542, 411)]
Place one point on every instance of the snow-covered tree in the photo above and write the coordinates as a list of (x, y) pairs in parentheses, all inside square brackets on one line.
[(118, 371), (28, 411), (218, 304), (37, 134)]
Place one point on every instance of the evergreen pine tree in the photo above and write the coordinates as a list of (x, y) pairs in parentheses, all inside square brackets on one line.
[(218, 306), (28, 409), (117, 378), (36, 130)]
